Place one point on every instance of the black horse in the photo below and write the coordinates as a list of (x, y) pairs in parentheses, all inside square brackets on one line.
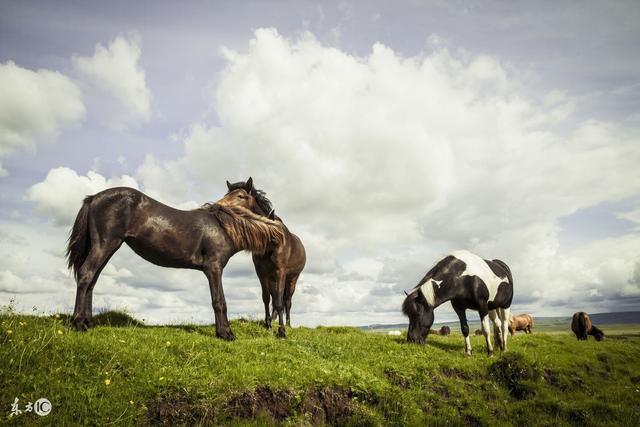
[(469, 282), (279, 267), (201, 239)]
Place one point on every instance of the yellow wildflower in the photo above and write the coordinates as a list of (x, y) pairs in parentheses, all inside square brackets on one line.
[(168, 343), (60, 332), (107, 381), (9, 331), (131, 402)]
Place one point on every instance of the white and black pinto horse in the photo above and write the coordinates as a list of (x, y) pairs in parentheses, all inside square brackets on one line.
[(469, 282)]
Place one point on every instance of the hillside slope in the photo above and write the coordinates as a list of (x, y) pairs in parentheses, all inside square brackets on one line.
[(183, 375)]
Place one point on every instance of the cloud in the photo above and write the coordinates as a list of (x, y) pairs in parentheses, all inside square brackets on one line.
[(34, 105), (419, 155), (114, 73), (60, 195), (382, 164)]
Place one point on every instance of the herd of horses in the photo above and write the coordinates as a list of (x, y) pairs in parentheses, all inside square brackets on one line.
[(206, 238)]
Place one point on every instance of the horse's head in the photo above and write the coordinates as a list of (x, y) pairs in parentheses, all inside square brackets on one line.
[(240, 198), (420, 316), (262, 205), (244, 185), (597, 333)]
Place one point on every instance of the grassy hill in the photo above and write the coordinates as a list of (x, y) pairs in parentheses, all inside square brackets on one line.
[(127, 373)]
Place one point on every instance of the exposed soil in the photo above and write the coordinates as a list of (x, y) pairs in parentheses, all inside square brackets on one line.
[(172, 409), (276, 404)]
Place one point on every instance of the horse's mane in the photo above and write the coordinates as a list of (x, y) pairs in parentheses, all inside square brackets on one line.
[(247, 230)]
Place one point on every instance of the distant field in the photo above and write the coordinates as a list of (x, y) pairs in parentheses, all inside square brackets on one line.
[(127, 373), (610, 323)]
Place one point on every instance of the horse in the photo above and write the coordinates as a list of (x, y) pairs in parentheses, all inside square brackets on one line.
[(278, 268), (521, 322), (581, 326), (469, 282), (201, 239), (443, 331)]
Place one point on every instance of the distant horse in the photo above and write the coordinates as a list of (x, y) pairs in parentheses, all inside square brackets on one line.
[(581, 326), (469, 282), (443, 331), (521, 322), (201, 239), (279, 267)]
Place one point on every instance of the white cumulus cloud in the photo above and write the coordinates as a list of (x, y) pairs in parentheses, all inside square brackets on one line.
[(114, 73), (34, 104)]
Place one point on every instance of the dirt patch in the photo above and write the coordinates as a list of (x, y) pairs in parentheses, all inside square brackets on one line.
[(275, 404), (329, 406), (396, 378), (172, 409)]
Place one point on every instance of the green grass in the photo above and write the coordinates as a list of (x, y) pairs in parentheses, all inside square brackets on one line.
[(127, 373)]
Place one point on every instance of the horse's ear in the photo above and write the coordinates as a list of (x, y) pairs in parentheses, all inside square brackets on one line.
[(228, 186), (405, 292), (272, 214), (248, 186)]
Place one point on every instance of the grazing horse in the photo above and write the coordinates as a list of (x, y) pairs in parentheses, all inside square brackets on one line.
[(201, 239), (279, 267), (469, 282), (521, 322), (445, 331), (581, 326)]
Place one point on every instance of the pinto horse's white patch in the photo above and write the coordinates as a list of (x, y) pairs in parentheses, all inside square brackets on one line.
[(428, 291), (476, 266)]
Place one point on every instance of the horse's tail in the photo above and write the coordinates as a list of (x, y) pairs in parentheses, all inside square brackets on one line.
[(582, 326), (506, 269), (79, 243)]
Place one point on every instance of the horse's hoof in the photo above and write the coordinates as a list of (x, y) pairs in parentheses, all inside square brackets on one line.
[(227, 335), (80, 325), (490, 353), (267, 325), (281, 333), (467, 354)]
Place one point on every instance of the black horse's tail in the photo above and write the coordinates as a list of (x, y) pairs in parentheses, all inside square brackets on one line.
[(79, 243), (582, 327)]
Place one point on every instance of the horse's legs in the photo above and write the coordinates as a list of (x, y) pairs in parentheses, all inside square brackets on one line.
[(290, 288), (277, 295), (486, 331), (223, 330), (266, 299), (497, 328), (504, 316), (464, 327), (87, 278)]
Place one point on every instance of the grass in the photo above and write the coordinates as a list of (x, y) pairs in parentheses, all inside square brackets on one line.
[(127, 373)]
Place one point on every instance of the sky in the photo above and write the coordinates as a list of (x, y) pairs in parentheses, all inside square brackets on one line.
[(386, 135)]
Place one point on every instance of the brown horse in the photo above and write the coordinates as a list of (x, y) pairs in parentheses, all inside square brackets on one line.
[(201, 239), (278, 269), (581, 326), (521, 322)]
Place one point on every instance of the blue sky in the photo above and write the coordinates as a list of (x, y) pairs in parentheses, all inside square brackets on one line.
[(385, 134)]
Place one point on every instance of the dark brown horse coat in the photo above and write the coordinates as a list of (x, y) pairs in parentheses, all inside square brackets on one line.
[(201, 239), (581, 326), (279, 267), (521, 322)]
